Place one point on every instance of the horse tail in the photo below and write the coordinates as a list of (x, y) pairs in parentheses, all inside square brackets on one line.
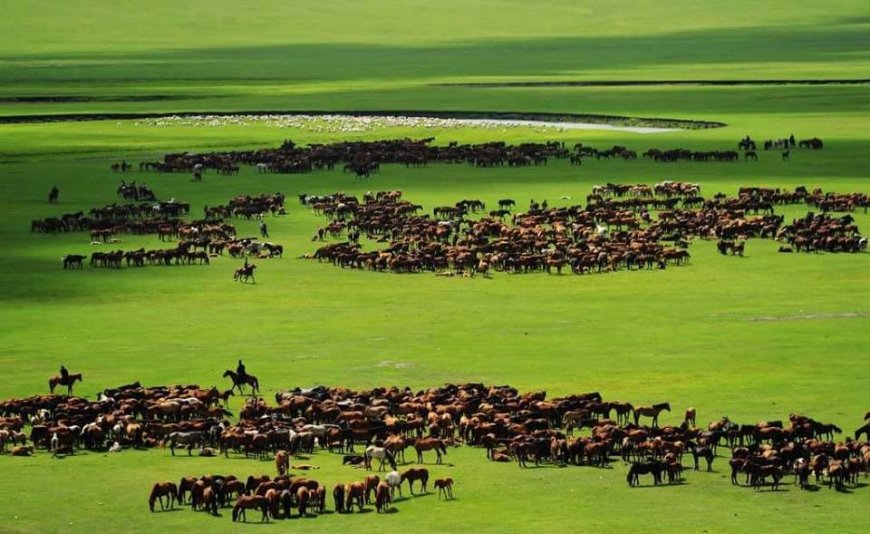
[(153, 496), (629, 476)]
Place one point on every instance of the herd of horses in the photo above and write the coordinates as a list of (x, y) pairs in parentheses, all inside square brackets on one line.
[(276, 498), (526, 428), (615, 230), (363, 158)]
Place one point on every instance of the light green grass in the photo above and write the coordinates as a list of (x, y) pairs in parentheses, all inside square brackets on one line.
[(754, 338)]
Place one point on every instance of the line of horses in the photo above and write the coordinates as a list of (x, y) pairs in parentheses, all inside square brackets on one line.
[(363, 158), (276, 498), (512, 427)]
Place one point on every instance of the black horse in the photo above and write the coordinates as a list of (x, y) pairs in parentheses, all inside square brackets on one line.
[(650, 467), (239, 382), (53, 194)]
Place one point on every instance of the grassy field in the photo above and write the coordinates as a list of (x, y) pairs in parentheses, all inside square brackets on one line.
[(754, 338)]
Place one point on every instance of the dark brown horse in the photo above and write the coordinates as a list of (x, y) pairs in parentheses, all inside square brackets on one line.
[(249, 380), (430, 444), (242, 274), (414, 474), (58, 380), (163, 489), (445, 487)]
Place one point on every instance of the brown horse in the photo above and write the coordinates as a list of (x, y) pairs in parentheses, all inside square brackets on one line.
[(414, 474), (243, 273), (338, 497), (303, 495), (651, 411), (250, 502), (282, 462), (161, 490), (445, 486), (382, 497), (371, 484), (430, 444), (690, 417), (354, 493), (58, 380)]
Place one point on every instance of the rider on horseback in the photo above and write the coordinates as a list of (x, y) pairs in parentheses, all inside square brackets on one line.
[(240, 371), (64, 374)]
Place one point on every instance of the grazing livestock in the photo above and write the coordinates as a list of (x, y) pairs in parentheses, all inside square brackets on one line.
[(444, 487), (162, 490)]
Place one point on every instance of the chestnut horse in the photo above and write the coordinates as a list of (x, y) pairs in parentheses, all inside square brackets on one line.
[(161, 490), (651, 411), (250, 502), (382, 497), (429, 444), (71, 379)]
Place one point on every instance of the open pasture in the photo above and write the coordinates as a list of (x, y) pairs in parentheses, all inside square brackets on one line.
[(755, 338)]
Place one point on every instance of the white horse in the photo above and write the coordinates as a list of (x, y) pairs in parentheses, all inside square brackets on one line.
[(381, 454), (394, 480), (601, 229), (319, 432)]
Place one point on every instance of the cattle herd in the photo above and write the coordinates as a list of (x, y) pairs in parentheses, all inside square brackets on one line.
[(614, 231)]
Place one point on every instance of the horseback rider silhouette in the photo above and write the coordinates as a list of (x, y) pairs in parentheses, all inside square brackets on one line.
[(240, 370), (64, 373)]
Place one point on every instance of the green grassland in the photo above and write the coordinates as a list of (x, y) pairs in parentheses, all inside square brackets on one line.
[(754, 338)]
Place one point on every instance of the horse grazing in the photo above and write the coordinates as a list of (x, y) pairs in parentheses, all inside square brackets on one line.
[(445, 487), (71, 379), (250, 502), (650, 467), (382, 497), (414, 474), (651, 411), (429, 444), (164, 489), (191, 439), (383, 455), (249, 380), (242, 274)]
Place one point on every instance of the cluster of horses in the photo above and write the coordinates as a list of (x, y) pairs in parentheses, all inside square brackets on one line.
[(511, 426), (823, 233), (141, 257), (248, 207), (543, 239), (132, 191), (615, 230), (365, 157), (276, 498), (103, 222)]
